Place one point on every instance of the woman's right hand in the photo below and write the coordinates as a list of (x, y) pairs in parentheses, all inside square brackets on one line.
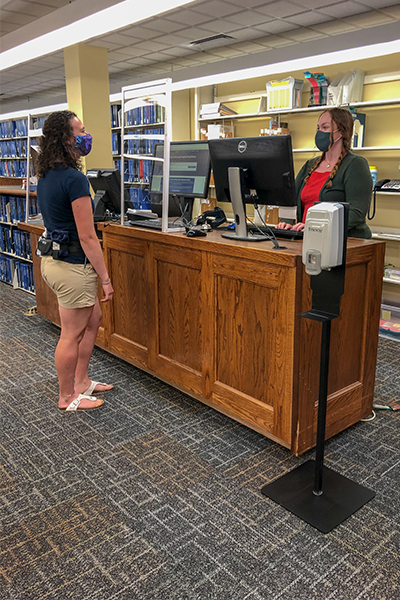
[(298, 227), (283, 225), (108, 292)]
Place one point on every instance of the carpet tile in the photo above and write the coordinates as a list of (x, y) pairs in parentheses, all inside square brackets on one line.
[(157, 496)]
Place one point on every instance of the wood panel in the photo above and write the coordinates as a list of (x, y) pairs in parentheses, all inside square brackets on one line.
[(127, 330), (353, 350), (255, 342), (179, 316)]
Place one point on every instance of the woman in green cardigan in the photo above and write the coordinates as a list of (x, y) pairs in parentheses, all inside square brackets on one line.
[(338, 175)]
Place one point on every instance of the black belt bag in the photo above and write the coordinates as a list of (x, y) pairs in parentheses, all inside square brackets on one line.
[(49, 247)]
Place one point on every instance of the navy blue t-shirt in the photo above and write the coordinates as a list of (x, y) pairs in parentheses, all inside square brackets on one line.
[(56, 191)]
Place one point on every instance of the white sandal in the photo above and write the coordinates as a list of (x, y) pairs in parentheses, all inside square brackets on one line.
[(74, 406), (90, 389)]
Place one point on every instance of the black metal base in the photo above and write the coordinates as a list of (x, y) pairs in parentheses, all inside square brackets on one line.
[(341, 497), (246, 238)]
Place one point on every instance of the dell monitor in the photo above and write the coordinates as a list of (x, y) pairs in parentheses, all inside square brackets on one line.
[(106, 184), (257, 170), (189, 177)]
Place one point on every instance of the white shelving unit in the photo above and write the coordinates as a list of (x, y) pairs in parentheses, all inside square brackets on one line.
[(142, 97)]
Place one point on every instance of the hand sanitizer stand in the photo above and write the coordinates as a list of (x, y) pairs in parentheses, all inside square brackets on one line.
[(313, 492)]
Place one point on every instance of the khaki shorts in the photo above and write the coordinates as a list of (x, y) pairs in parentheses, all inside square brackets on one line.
[(74, 285)]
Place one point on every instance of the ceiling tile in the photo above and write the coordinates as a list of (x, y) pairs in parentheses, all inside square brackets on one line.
[(249, 18), (370, 19), (195, 33), (250, 47), (394, 11), (317, 4), (305, 35), (247, 33), (130, 51), (117, 39), (282, 9), (335, 27), (344, 9), (151, 46), (163, 25), (138, 31), (221, 26), (178, 51), (309, 18), (275, 41), (228, 52), (15, 18), (173, 40), (277, 26), (6, 27), (34, 9), (188, 17), (217, 8), (379, 3), (249, 3)]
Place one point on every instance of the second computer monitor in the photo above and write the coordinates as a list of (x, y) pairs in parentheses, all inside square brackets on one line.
[(189, 178)]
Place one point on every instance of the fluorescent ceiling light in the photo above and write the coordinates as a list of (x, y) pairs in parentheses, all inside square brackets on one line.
[(115, 17), (306, 62)]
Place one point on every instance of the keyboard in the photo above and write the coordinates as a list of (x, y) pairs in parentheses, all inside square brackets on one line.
[(287, 234), (156, 224)]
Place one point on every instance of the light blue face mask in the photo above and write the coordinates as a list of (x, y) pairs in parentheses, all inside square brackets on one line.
[(323, 140)]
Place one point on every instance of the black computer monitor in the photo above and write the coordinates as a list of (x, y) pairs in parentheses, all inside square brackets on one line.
[(257, 170), (189, 177), (106, 184)]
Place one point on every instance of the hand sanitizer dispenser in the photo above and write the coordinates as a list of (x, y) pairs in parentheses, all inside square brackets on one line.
[(323, 237)]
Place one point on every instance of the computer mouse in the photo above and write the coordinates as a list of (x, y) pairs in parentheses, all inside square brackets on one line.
[(196, 233)]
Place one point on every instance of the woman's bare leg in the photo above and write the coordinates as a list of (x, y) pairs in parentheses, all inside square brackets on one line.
[(73, 326), (86, 345)]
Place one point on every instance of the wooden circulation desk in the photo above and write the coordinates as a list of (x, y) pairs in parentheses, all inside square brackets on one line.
[(219, 320)]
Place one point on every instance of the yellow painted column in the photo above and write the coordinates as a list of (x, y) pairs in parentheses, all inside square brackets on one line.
[(88, 95)]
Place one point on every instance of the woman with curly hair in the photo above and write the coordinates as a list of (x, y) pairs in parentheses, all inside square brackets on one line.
[(337, 175), (73, 259)]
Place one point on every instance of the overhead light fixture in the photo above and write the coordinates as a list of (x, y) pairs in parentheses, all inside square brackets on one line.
[(100, 23), (296, 64)]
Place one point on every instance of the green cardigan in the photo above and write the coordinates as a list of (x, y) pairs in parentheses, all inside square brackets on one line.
[(352, 183)]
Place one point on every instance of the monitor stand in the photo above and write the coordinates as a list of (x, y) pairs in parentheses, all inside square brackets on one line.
[(236, 186)]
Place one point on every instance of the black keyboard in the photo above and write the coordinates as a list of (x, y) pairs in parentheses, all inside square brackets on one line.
[(287, 234), (155, 224)]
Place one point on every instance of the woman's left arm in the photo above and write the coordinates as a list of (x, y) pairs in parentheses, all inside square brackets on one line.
[(358, 190)]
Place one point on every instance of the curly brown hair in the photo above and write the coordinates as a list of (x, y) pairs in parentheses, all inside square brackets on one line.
[(55, 143), (343, 120)]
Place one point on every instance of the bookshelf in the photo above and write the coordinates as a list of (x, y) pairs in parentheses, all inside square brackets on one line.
[(17, 196), (16, 267)]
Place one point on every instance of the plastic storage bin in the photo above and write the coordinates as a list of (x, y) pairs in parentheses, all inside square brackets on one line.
[(390, 320), (285, 93)]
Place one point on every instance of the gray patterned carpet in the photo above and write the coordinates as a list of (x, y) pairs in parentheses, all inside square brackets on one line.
[(157, 497)]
